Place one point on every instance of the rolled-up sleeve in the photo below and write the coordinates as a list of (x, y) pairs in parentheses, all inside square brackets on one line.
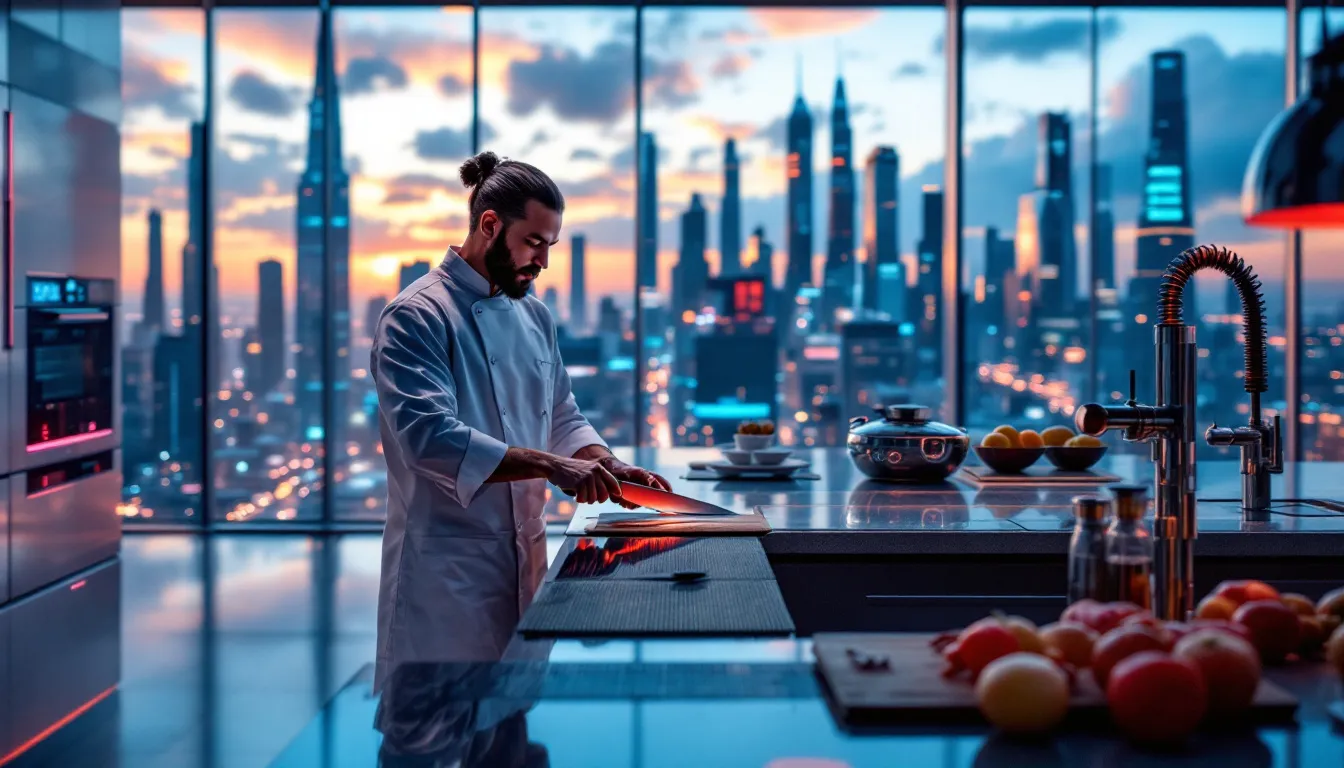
[(417, 396), (570, 431)]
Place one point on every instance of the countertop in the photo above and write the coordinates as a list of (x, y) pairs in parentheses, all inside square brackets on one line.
[(845, 513)]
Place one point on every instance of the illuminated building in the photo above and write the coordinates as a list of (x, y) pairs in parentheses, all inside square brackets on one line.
[(271, 325), (730, 215), (838, 280), (927, 308), (874, 365), (152, 316), (1105, 231), (647, 257), (692, 269), (372, 312), (799, 214), (1053, 281), (881, 222), (578, 285), (323, 246), (736, 366)]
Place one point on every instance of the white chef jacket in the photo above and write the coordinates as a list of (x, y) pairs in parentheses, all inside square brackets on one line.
[(461, 376)]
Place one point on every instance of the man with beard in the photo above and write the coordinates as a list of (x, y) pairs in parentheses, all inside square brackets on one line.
[(476, 416)]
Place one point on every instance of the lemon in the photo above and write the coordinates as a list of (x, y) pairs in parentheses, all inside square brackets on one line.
[(996, 440), (1011, 434), (1083, 441), (1030, 439), (1056, 436)]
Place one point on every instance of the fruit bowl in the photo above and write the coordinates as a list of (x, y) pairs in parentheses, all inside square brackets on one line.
[(1074, 459), (753, 442), (1008, 461)]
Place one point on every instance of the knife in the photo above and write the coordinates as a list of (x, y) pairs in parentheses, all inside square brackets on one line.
[(663, 501)]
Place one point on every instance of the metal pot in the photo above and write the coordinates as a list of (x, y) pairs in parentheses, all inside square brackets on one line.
[(904, 446)]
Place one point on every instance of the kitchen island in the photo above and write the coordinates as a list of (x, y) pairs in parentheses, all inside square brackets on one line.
[(852, 554)]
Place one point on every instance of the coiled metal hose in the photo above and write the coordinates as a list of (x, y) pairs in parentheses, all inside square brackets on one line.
[(1192, 260)]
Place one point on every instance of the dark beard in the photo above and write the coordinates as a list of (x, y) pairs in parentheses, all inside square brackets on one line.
[(499, 264)]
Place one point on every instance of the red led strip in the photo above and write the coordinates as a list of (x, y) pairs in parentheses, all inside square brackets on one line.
[(56, 726), (72, 440)]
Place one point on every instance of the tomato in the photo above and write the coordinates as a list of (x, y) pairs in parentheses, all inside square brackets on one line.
[(1118, 644), (1216, 607), (980, 644), (1273, 626), (1023, 693), (1245, 591), (1299, 603), (1230, 667), (1071, 643), (1310, 635), (1222, 625), (1334, 651), (1101, 617), (1155, 698)]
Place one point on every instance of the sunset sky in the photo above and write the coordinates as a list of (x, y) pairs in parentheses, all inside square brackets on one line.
[(557, 89)]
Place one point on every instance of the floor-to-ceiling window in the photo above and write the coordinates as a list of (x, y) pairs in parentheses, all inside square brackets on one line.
[(1027, 177), (558, 91), (271, 347), (163, 98), (1185, 94), (405, 125), (791, 218)]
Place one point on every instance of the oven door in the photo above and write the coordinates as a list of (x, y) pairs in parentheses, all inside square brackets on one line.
[(64, 399), (62, 519)]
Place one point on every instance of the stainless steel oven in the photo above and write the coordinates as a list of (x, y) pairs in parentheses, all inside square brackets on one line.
[(62, 519), (66, 387)]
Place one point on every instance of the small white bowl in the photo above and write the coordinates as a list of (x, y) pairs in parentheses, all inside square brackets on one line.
[(740, 458), (753, 442), (771, 456)]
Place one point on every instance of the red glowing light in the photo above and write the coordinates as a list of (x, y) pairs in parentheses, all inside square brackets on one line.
[(78, 584), (1314, 216), (56, 726), (588, 559)]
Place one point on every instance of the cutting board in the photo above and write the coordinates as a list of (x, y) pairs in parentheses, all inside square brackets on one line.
[(914, 692), (643, 523)]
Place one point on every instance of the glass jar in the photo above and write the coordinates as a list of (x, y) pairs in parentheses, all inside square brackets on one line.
[(1129, 548), (1087, 549)]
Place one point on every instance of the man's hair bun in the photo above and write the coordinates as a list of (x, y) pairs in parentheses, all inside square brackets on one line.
[(476, 170)]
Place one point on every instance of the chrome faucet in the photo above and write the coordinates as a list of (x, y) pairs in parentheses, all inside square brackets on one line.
[(1169, 426)]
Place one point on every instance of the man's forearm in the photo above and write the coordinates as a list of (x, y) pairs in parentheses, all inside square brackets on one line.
[(522, 464)]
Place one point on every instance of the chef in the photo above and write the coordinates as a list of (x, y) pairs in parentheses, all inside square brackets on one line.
[(476, 415)]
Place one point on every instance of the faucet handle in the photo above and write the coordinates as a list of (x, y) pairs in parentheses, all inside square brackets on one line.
[(1276, 446), (1133, 398)]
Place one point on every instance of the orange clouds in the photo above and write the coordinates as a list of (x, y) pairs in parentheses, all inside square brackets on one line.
[(720, 130), (731, 65), (784, 23)]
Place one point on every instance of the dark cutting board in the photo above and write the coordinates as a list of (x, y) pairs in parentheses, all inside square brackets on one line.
[(914, 692)]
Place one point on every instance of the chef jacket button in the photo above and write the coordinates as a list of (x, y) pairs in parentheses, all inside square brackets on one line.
[(493, 360), (479, 310), (543, 413), (504, 412)]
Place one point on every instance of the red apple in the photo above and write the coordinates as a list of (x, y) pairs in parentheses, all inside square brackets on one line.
[(1155, 698), (1273, 626), (1120, 643), (1230, 665)]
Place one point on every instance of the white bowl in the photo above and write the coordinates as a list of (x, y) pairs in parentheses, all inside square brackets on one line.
[(753, 442), (770, 456), (737, 457)]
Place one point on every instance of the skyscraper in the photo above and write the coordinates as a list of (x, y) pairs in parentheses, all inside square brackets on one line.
[(999, 288), (1053, 281), (270, 327), (193, 291), (692, 270), (880, 219), (551, 298), (323, 227), (1104, 237), (373, 311), (763, 261), (152, 319), (799, 214), (412, 272), (927, 310), (730, 217), (647, 262), (839, 271), (578, 286)]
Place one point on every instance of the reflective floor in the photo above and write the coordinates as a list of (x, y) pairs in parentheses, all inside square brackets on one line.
[(231, 644)]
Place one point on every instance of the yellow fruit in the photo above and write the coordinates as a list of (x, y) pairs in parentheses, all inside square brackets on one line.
[(1083, 441), (1011, 434), (1025, 632), (1030, 439), (1023, 693), (1334, 652), (996, 440), (1056, 436), (1070, 642)]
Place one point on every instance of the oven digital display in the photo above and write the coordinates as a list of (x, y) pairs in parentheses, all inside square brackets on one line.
[(44, 291), (68, 291)]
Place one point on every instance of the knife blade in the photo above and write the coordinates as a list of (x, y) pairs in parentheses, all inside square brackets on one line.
[(672, 503)]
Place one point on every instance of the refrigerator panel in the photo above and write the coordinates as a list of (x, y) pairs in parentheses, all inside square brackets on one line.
[(7, 743), (59, 525)]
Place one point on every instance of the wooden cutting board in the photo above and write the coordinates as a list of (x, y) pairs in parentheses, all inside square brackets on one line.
[(642, 523), (913, 691)]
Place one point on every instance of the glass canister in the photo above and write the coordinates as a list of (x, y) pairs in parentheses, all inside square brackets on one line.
[(1129, 548), (1088, 570)]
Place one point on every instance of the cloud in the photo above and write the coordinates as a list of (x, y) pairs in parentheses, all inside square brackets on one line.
[(148, 83), (669, 84), (730, 65), (699, 155), (784, 23), (597, 88), (1031, 43), (255, 93), (416, 188), (368, 74), (250, 166), (910, 69), (451, 86), (584, 154), (449, 143), (734, 35), (665, 29)]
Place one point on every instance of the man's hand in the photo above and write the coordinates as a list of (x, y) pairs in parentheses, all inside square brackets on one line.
[(622, 471), (586, 479)]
